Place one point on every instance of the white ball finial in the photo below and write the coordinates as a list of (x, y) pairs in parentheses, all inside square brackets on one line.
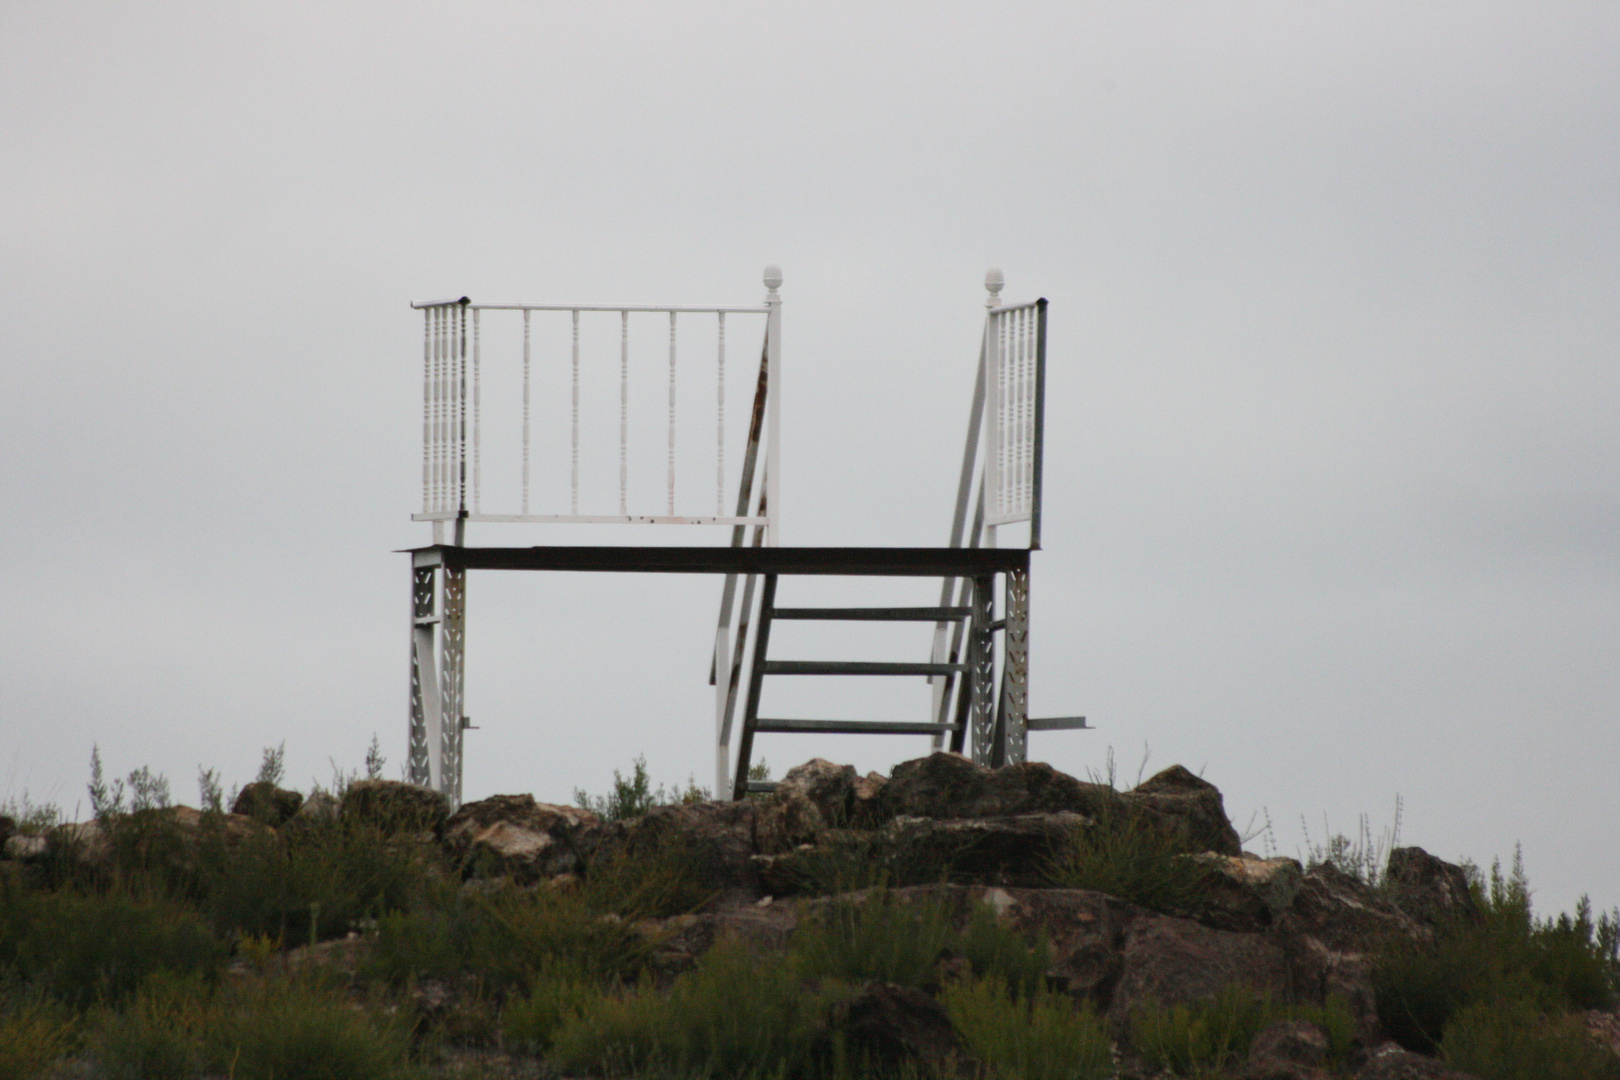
[(994, 282), (773, 280)]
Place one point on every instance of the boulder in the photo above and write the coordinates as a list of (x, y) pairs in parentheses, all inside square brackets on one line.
[(937, 786), (890, 1028), (1244, 893), (1190, 806), (1391, 1062), (1034, 787), (515, 836), (867, 802), (1288, 1050), (787, 820), (21, 846), (1172, 960), (318, 807), (263, 801), (1084, 931), (831, 788), (394, 807), (1015, 850), (84, 842), (1331, 932), (717, 836), (948, 786), (1430, 890)]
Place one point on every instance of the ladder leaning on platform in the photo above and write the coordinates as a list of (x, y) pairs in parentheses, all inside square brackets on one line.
[(1000, 485)]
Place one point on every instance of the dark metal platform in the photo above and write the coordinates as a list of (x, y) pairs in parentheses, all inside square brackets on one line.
[(854, 561)]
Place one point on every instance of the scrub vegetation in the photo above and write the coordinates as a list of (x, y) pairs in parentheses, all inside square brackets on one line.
[(174, 943)]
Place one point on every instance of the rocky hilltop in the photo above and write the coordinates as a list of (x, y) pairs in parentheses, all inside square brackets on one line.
[(1135, 902)]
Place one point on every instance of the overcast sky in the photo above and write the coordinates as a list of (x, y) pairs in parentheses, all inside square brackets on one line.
[(1333, 508)]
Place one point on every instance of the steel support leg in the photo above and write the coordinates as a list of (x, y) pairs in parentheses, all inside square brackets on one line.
[(426, 714), (982, 672), (453, 640), (1012, 735)]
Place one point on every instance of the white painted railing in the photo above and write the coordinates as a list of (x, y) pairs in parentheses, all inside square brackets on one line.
[(576, 370), (1015, 355)]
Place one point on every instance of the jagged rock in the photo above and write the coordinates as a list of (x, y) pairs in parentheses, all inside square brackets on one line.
[(19, 846), (1013, 850), (1430, 890), (1288, 1050), (938, 785), (393, 806), (718, 836), (868, 790), (887, 1027), (265, 802), (1604, 1026), (680, 940), (787, 820), (949, 786), (831, 788), (1331, 931), (513, 835), (1191, 806), (1084, 931), (1246, 894), (1390, 1062), (85, 842), (319, 806), (1173, 960)]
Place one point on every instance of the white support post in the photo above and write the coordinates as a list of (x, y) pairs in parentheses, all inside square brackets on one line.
[(773, 393), (990, 487)]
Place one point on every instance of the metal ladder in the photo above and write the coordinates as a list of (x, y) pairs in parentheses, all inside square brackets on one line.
[(972, 709)]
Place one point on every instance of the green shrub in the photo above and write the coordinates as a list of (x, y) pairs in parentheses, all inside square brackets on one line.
[(34, 1033), (634, 795), (330, 875), (88, 947), (880, 939), (736, 1014), (1130, 856), (504, 938), (1040, 1036), (1201, 1037), (1513, 1041), (277, 1030), (1507, 955), (558, 992), (668, 880), (996, 950), (157, 1035)]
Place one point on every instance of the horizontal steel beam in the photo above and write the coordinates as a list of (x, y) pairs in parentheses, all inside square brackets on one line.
[(854, 614), (1057, 723), (857, 667), (855, 562), (855, 727)]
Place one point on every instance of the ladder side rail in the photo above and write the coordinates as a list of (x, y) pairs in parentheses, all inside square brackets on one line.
[(756, 678), (730, 688), (745, 497), (964, 490)]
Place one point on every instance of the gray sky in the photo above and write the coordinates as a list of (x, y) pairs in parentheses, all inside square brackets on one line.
[(1332, 513)]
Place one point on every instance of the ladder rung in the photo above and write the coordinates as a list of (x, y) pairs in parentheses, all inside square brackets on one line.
[(892, 614), (855, 727), (857, 667)]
